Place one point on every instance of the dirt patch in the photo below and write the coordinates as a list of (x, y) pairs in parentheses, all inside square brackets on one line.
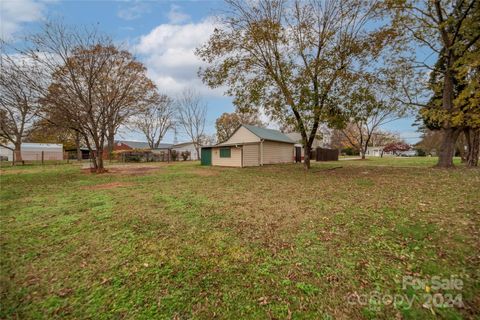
[(105, 186), (13, 171), (134, 171), (130, 170)]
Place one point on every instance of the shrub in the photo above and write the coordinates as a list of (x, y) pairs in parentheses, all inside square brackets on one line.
[(421, 152), (133, 158), (185, 155), (174, 155), (350, 151)]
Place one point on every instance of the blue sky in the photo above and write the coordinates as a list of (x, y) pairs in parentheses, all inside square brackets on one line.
[(162, 34)]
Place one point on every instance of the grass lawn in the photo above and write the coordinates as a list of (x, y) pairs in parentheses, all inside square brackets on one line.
[(184, 241)]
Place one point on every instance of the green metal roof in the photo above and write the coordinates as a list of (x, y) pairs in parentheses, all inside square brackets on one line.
[(268, 134)]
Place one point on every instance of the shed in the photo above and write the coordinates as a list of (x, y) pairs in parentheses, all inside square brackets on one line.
[(250, 146), (35, 151)]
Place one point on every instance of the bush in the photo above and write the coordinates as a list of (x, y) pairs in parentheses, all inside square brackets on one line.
[(133, 158), (174, 155), (185, 155), (350, 152), (421, 152)]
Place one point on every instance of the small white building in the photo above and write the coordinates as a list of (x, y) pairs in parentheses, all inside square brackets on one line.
[(250, 146), (33, 151), (186, 146), (377, 152)]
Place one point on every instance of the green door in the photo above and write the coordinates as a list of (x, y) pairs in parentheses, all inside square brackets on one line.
[(206, 156)]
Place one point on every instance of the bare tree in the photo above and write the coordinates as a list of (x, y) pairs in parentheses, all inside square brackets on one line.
[(191, 117), (208, 139), (369, 103), (384, 137), (155, 120), (430, 142), (18, 103)]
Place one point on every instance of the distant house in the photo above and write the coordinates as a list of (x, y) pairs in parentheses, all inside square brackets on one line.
[(126, 145), (72, 153), (407, 153), (138, 145), (377, 152), (324, 142), (164, 149), (186, 146), (250, 146), (35, 151), (130, 145)]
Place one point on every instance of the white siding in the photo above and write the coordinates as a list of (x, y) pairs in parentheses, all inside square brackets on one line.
[(251, 155), (33, 151), (4, 152), (235, 159), (187, 147), (277, 152)]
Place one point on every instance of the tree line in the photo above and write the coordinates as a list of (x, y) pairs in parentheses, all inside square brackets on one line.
[(353, 65), (80, 85)]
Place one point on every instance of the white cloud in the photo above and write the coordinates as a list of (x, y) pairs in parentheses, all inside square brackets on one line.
[(133, 12), (168, 53), (175, 16), (14, 13)]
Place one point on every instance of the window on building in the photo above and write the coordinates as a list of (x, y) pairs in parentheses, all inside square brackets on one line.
[(225, 153)]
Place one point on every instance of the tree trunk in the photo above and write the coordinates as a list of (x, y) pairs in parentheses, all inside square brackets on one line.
[(97, 156), (447, 149), (110, 143), (17, 152), (99, 144), (473, 141), (97, 160), (450, 135), (468, 141), (78, 147), (100, 168), (363, 151), (93, 158), (306, 158)]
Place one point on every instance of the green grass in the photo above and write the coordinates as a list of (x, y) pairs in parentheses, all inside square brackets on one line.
[(399, 161), (186, 241)]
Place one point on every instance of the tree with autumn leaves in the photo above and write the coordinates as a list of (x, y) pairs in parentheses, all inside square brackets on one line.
[(396, 147), (95, 91), (293, 58), (451, 31), (18, 102), (94, 86)]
